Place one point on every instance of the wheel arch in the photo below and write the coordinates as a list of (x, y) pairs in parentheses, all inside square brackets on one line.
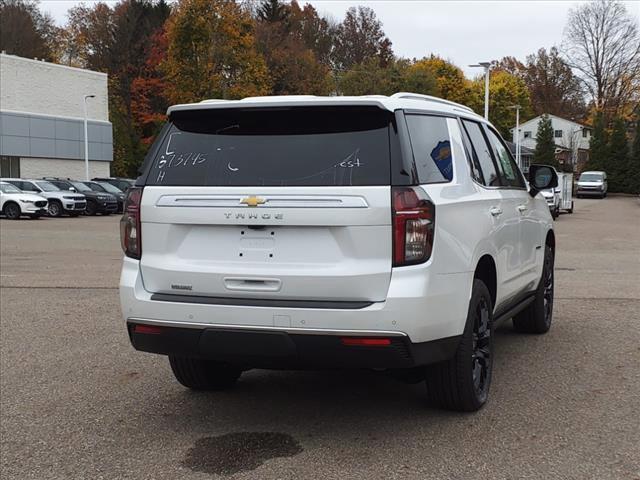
[(486, 271), (551, 239), (11, 202)]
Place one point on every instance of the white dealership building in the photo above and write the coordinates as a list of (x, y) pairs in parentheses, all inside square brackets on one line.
[(42, 116)]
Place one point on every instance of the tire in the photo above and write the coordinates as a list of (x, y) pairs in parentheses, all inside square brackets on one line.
[(198, 374), (55, 208), (571, 209), (92, 208), (12, 211), (462, 383), (537, 317)]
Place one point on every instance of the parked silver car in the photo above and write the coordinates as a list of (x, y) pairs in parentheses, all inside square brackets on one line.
[(592, 183)]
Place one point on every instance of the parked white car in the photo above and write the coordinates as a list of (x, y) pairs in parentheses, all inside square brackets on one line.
[(15, 203), (60, 202), (311, 232)]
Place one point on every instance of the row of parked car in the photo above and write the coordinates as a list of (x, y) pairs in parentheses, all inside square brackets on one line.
[(55, 196)]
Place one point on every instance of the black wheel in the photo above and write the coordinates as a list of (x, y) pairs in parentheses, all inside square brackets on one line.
[(92, 208), (536, 318), (571, 209), (198, 374), (54, 209), (462, 383), (12, 211)]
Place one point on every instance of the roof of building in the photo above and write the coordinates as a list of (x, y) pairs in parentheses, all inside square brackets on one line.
[(523, 150), (401, 100), (553, 116)]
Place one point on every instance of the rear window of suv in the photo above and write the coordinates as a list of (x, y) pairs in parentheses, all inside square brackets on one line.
[(319, 146)]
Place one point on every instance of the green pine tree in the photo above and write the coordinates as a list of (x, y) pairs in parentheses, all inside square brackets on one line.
[(617, 167), (598, 145), (545, 152), (634, 161)]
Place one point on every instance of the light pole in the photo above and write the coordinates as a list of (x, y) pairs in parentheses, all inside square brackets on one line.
[(516, 134), (487, 67), (86, 139)]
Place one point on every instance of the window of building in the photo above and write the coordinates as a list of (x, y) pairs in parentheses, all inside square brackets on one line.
[(558, 133), (527, 134), (9, 167), (585, 133)]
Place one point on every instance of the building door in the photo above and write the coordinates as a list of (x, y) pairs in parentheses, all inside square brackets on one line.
[(9, 167)]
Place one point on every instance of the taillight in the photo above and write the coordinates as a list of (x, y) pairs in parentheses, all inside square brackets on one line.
[(130, 224), (413, 226)]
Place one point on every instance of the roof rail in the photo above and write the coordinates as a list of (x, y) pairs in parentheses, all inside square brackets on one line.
[(429, 98), (213, 100)]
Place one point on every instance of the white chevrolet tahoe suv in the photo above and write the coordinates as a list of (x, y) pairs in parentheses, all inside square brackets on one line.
[(308, 232)]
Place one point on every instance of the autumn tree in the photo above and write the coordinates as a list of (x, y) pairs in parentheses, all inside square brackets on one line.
[(25, 31), (149, 100), (451, 83), (212, 53), (293, 66), (634, 161), (505, 91), (116, 41), (602, 43), (617, 166), (371, 78), (553, 87), (545, 151), (598, 145), (359, 37), (316, 32)]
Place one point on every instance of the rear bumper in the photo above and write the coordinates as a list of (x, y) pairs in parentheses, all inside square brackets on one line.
[(287, 348), (420, 305)]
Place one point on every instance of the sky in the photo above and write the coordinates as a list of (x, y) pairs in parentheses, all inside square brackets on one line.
[(464, 32)]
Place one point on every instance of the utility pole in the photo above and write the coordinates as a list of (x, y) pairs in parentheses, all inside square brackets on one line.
[(86, 139), (516, 134), (487, 67)]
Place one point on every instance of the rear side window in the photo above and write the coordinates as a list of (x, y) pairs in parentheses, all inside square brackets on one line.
[(431, 147), (509, 171), (482, 151), (318, 146)]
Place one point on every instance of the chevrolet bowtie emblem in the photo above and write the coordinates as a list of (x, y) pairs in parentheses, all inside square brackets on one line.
[(252, 201)]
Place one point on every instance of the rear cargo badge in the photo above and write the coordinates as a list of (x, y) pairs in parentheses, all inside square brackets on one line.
[(252, 201), (181, 286)]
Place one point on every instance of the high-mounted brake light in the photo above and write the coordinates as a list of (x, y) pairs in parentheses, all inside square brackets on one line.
[(130, 224), (413, 226)]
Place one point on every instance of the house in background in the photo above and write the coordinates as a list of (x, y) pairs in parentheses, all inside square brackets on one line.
[(526, 155), (571, 139), (42, 120)]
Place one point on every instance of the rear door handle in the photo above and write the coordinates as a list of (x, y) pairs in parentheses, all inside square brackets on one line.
[(495, 211)]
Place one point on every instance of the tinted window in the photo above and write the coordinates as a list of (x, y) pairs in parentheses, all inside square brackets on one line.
[(483, 153), (26, 186), (506, 165), (431, 148), (474, 164), (275, 147)]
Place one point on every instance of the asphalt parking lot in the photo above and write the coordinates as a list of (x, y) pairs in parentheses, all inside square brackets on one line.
[(77, 402)]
